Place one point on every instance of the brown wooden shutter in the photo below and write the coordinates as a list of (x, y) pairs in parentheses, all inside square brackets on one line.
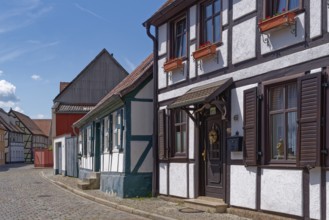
[(250, 127), (162, 134), (309, 115)]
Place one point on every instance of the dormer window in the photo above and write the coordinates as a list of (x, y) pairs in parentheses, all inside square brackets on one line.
[(179, 31), (275, 7), (211, 22)]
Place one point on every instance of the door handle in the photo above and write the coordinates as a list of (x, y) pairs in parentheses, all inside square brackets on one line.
[(204, 154)]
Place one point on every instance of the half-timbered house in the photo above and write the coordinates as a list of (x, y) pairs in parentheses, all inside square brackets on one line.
[(116, 137), (78, 97), (242, 102), (2, 143), (33, 135), (13, 138)]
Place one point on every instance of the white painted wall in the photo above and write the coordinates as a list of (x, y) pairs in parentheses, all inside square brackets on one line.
[(281, 191), (162, 75), (106, 160), (178, 179), (115, 162), (61, 140), (146, 92), (244, 41), (162, 39), (217, 62), (192, 70), (178, 75), (315, 193), (87, 162), (315, 18), (163, 177), (243, 186), (243, 7), (193, 21), (16, 152), (141, 118), (137, 148), (237, 108), (282, 38), (191, 180), (276, 64)]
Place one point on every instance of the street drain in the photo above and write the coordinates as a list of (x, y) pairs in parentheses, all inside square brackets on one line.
[(189, 210), (37, 182), (44, 196)]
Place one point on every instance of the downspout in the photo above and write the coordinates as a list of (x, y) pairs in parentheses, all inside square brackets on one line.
[(155, 173)]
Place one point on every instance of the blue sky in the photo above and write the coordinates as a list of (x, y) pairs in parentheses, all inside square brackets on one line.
[(43, 42)]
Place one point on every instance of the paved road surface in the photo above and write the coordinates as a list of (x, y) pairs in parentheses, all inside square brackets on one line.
[(24, 194)]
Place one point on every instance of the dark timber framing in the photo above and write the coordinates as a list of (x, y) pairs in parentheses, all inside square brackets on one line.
[(179, 7)]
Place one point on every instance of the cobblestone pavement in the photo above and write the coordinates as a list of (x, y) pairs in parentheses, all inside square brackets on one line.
[(157, 206), (25, 194)]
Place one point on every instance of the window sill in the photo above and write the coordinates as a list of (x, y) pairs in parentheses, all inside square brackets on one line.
[(173, 64), (275, 22), (281, 166)]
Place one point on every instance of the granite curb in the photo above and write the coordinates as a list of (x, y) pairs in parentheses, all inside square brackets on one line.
[(108, 203)]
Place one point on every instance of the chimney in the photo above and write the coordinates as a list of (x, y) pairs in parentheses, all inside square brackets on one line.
[(62, 86)]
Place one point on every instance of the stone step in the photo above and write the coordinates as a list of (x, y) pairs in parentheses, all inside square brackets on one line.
[(211, 199), (83, 185), (207, 204), (90, 183)]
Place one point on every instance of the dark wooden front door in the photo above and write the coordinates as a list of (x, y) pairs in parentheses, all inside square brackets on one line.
[(212, 156)]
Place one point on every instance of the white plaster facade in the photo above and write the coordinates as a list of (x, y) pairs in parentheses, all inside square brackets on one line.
[(60, 141), (282, 50), (243, 178)]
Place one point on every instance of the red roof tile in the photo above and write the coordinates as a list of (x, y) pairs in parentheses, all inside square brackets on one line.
[(28, 123), (44, 125)]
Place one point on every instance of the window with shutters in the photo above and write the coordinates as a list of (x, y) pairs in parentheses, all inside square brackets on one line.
[(85, 142), (282, 120), (180, 125)]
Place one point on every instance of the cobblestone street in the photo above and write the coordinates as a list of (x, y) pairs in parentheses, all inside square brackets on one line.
[(24, 194)]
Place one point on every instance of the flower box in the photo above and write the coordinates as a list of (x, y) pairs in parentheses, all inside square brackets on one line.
[(287, 18), (204, 51), (173, 64)]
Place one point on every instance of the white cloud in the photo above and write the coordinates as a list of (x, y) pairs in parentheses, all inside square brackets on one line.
[(130, 64), (35, 77), (7, 92), (1, 72), (8, 98), (10, 105), (18, 109)]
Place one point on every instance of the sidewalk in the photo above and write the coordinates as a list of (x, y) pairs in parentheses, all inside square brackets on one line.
[(153, 208)]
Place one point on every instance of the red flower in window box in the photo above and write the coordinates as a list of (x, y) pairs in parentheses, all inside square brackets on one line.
[(286, 18), (173, 64), (205, 50)]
